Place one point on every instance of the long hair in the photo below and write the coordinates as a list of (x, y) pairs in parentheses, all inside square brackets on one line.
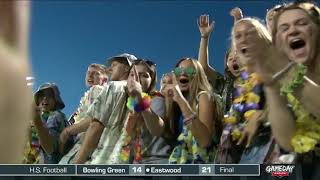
[(199, 82), (169, 112)]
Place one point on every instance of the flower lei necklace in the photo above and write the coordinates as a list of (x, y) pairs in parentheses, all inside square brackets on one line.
[(133, 142), (247, 97), (307, 134), (31, 154)]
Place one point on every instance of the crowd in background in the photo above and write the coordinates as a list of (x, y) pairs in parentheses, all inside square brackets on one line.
[(263, 109)]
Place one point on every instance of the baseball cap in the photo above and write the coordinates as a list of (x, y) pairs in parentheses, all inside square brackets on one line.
[(124, 58)]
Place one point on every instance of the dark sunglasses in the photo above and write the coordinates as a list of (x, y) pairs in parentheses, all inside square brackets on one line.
[(190, 71)]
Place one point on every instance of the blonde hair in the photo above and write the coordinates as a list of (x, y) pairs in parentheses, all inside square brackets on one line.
[(260, 28), (102, 69), (199, 82), (99, 67)]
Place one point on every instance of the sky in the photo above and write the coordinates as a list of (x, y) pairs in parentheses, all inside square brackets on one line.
[(67, 36)]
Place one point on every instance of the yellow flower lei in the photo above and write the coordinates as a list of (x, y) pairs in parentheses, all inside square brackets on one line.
[(307, 134), (245, 104)]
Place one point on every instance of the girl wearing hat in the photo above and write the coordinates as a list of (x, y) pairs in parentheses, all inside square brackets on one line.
[(48, 122)]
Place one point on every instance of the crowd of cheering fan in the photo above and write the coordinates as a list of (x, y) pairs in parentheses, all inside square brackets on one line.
[(263, 109)]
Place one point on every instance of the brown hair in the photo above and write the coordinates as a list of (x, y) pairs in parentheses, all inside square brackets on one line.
[(151, 70), (260, 28), (310, 9)]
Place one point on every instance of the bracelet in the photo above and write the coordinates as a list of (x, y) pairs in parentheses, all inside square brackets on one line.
[(188, 121), (141, 106), (202, 36)]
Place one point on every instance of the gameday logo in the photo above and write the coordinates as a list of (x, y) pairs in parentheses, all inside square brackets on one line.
[(280, 170)]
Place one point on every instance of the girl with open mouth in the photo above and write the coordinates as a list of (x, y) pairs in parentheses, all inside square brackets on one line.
[(194, 113), (290, 69)]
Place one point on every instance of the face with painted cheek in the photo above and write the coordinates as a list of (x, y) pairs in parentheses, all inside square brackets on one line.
[(233, 63), (144, 76), (185, 73), (297, 36), (46, 100), (93, 77)]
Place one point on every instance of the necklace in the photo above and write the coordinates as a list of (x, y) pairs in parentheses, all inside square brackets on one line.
[(248, 91), (307, 134)]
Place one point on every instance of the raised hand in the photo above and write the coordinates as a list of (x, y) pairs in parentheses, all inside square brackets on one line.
[(205, 27), (236, 13), (133, 84)]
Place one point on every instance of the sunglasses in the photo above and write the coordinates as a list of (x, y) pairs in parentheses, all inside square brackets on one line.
[(189, 71)]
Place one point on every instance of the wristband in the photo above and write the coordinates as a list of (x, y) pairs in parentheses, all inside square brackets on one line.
[(188, 121), (141, 106)]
